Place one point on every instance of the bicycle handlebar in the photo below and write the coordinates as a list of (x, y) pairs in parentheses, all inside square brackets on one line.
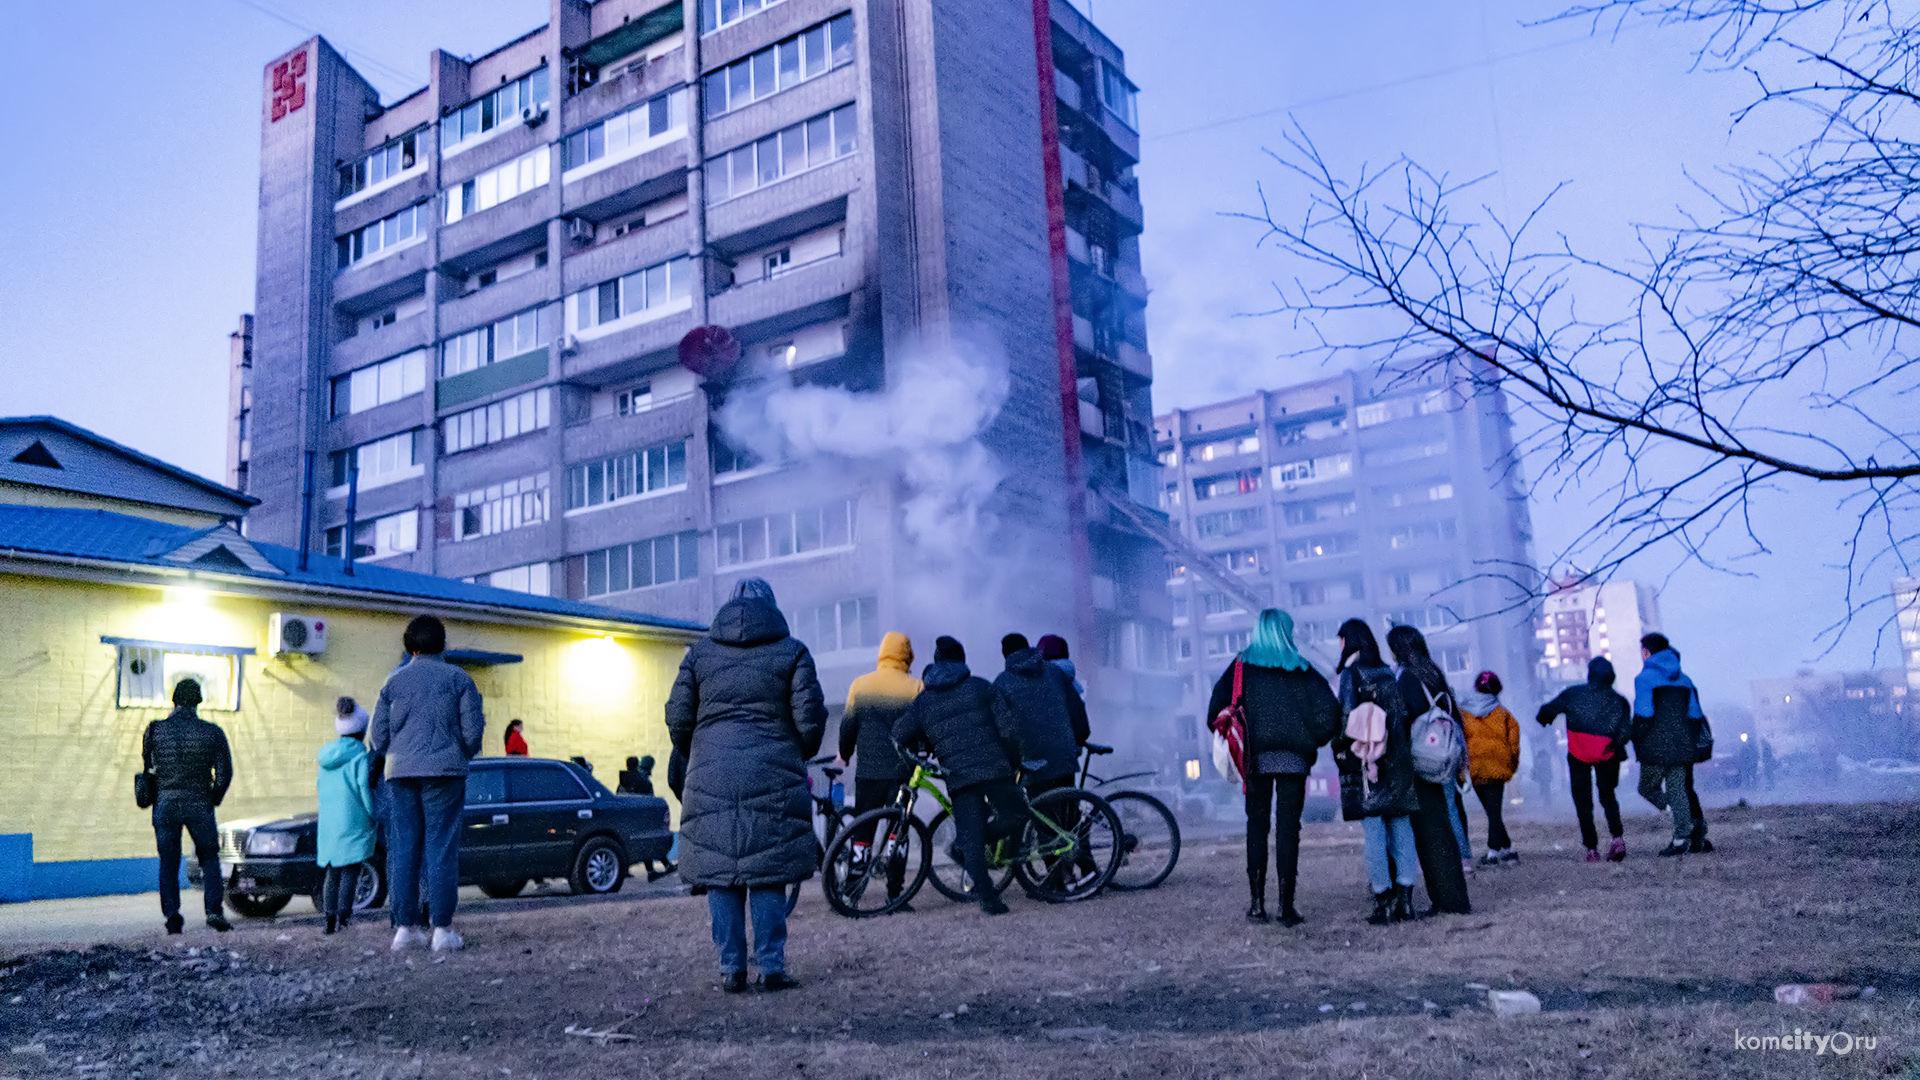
[(1096, 748)]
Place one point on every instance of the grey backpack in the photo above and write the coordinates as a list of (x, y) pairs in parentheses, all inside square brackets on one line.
[(1439, 746)]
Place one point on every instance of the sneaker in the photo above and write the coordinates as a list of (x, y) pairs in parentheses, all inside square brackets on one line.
[(777, 981), (1491, 858), (447, 939), (331, 923), (175, 924), (734, 982), (1617, 851), (219, 922), (993, 905), (1700, 845), (1466, 867), (1593, 855), (1678, 847), (407, 937), (1508, 857)]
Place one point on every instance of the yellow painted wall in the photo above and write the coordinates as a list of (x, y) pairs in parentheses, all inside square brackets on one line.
[(69, 754)]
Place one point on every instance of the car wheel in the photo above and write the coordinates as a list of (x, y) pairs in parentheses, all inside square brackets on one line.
[(370, 888), (504, 890), (257, 907), (601, 867)]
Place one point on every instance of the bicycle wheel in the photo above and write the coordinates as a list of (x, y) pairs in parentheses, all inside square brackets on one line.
[(862, 880), (948, 876), (1075, 857), (833, 827), (1152, 840)]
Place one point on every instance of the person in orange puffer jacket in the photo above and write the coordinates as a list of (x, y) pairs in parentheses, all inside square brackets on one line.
[(1493, 756)]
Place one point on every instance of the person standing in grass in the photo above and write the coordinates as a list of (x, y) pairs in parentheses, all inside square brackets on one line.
[(1422, 685), (1666, 720), (344, 833), (1599, 723), (1389, 802), (1493, 756)]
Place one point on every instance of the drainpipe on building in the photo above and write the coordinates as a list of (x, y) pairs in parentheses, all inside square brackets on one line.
[(351, 539), (306, 514)]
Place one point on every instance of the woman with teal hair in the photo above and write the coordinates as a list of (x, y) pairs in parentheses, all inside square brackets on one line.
[(1290, 713)]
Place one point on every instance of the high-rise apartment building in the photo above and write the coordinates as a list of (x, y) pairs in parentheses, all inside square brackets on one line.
[(470, 302), (1397, 503), (1581, 620)]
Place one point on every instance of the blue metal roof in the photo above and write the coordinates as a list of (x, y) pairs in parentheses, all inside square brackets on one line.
[(102, 535)]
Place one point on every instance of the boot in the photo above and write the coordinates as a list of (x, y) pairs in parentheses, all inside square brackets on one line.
[(1402, 903), (1288, 916), (331, 922), (1697, 842), (1383, 907), (1257, 886), (346, 919)]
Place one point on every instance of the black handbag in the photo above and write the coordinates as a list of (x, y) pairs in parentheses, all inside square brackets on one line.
[(1353, 796), (1702, 741), (145, 789)]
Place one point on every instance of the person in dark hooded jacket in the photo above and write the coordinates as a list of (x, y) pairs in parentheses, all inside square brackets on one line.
[(1599, 722), (192, 768), (747, 712), (1422, 685), (1389, 802), (1666, 731), (974, 733), (1053, 719)]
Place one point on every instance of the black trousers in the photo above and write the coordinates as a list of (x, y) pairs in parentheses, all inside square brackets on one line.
[(1583, 776), (1493, 794), (195, 816), (1275, 801), (336, 890), (973, 832), (1693, 803), (872, 795), (1439, 851)]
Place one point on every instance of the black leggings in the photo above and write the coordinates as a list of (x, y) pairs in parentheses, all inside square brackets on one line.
[(1277, 801), (337, 889), (1583, 776), (1492, 794)]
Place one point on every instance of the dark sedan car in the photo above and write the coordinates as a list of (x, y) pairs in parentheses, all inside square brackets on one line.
[(525, 819)]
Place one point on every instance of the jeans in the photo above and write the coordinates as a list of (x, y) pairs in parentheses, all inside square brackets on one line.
[(1270, 798), (972, 832), (423, 841), (336, 891), (1390, 839), (1584, 776), (1457, 817), (170, 815), (1665, 786), (1493, 793), (729, 906)]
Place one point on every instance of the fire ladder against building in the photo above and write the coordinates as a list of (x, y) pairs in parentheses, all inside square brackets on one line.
[(1161, 531)]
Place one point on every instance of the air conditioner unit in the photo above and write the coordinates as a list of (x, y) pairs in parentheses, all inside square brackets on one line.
[(567, 344), (580, 230), (533, 117), (295, 634)]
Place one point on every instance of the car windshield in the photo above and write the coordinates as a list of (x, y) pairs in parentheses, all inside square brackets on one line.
[(596, 787)]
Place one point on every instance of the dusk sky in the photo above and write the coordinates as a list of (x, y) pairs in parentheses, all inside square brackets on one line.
[(129, 211)]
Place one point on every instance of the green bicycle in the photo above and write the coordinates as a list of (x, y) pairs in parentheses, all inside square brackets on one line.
[(1068, 851)]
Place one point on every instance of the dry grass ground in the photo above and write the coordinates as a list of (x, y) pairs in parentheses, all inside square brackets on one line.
[(1646, 969)]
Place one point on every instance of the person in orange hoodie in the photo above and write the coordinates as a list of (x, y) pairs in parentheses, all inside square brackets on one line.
[(1493, 756), (875, 702)]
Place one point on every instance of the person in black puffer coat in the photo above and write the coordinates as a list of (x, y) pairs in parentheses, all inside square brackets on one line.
[(1053, 719), (1389, 801), (1290, 714), (192, 769), (1599, 723), (973, 731), (1433, 833), (747, 712)]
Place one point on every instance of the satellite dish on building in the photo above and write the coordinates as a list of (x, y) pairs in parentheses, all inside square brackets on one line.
[(711, 352)]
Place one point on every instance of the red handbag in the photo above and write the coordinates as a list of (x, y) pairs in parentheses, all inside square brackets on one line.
[(1229, 729)]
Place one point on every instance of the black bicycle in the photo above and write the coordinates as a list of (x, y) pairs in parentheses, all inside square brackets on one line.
[(1150, 841), (830, 816)]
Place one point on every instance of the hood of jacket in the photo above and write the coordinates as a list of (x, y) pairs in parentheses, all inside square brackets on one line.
[(341, 752), (1477, 703), (945, 674), (896, 653), (1600, 671), (1664, 664), (748, 621), (1026, 663)]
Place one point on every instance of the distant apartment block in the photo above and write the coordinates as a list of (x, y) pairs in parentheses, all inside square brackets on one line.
[(1580, 621)]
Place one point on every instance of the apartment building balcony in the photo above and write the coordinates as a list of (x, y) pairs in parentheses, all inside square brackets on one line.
[(382, 203), (1131, 281), (810, 98), (623, 83), (625, 185), (500, 377), (382, 280), (658, 514), (802, 287), (634, 350), (785, 198), (610, 435), (736, 40), (485, 554), (1134, 359), (498, 301), (367, 425), (636, 250), (513, 227), (370, 346)]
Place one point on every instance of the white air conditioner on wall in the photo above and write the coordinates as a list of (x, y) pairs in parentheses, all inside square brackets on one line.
[(295, 634)]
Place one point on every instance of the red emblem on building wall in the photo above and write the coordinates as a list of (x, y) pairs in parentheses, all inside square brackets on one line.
[(289, 85)]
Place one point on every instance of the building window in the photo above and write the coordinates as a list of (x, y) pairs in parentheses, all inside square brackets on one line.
[(1223, 448), (1243, 560), (1432, 618), (1452, 659), (1321, 547), (1229, 522), (627, 476), (1213, 603), (395, 534), (662, 560), (1294, 432), (383, 461), (1313, 470), (516, 415), (533, 578), (780, 66), (501, 507), (1330, 591), (1400, 408), (515, 335), (1398, 455), (1333, 509), (635, 401), (149, 670), (1117, 94), (715, 14), (782, 536), (505, 105), (1244, 482), (726, 458), (1417, 534), (628, 133), (380, 384), (788, 152), (1228, 643), (837, 627), (636, 297), (808, 345), (528, 172), (383, 237), (390, 162), (1414, 494)]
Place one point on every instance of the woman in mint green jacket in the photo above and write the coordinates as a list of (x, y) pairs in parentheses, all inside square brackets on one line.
[(345, 829)]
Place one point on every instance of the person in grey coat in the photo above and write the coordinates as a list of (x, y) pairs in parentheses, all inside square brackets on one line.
[(747, 712), (427, 725)]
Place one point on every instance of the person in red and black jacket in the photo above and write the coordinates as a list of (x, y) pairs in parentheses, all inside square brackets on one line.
[(1599, 722)]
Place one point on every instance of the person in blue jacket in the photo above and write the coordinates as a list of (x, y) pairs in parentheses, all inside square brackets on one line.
[(1667, 722), (345, 829)]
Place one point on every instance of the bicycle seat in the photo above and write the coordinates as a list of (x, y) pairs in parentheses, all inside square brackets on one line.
[(1033, 766), (832, 773), (1096, 748), (827, 760)]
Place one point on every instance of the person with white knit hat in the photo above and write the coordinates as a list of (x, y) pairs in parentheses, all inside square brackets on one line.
[(345, 830)]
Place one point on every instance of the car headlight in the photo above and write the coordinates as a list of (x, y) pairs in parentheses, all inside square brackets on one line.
[(264, 842)]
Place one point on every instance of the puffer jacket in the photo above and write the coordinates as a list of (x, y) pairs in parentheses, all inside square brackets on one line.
[(1493, 738), (970, 727), (747, 712), (1666, 712), (344, 833), (1393, 793), (1290, 715), (1053, 719), (875, 702), (188, 757), (1599, 720)]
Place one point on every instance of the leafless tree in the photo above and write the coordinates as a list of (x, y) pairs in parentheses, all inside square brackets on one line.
[(1766, 350)]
